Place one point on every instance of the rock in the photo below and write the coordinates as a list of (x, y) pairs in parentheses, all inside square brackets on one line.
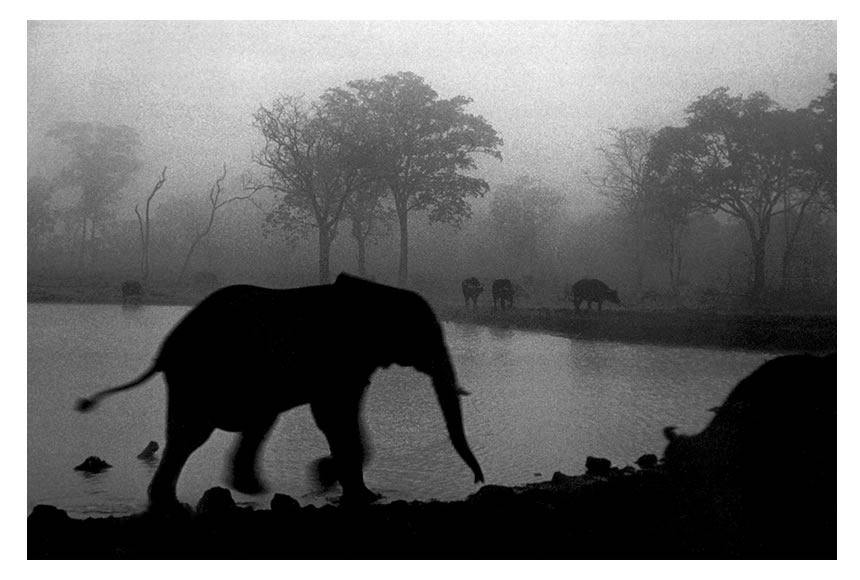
[(647, 461), (47, 515), (216, 501), (93, 464), (559, 478), (149, 451), (493, 493), (597, 466), (283, 503)]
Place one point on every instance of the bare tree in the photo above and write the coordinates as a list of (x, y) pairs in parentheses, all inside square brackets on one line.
[(310, 162), (370, 220), (215, 203), (144, 227), (622, 181), (521, 213)]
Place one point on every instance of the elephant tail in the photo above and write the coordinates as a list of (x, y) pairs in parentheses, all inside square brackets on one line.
[(89, 403)]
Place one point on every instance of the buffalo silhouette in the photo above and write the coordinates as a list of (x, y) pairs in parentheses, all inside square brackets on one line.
[(762, 474), (503, 293)]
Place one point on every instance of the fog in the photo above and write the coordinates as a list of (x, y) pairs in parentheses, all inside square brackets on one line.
[(552, 90)]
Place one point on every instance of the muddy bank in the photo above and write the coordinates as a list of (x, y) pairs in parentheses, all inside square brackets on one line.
[(776, 332), (607, 513)]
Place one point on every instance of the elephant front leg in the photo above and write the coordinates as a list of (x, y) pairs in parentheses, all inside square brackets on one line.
[(342, 426), (244, 476)]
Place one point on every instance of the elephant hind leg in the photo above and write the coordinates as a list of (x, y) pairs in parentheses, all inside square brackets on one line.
[(244, 475), (182, 441)]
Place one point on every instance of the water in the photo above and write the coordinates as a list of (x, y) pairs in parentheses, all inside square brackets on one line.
[(539, 404)]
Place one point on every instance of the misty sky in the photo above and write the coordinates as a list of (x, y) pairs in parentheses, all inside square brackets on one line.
[(550, 88)]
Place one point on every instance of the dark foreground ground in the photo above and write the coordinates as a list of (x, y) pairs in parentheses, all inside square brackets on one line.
[(622, 513)]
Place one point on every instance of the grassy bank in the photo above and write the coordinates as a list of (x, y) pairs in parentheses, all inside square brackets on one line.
[(672, 327)]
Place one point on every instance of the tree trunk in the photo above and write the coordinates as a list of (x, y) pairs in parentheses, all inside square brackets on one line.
[(82, 258), (325, 250), (758, 281), (638, 257), (785, 282), (361, 246), (362, 257), (403, 271), (188, 258)]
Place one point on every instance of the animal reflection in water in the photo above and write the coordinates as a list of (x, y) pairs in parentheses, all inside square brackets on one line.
[(762, 474), (245, 354)]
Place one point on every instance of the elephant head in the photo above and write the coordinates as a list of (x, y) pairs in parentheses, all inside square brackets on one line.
[(414, 338)]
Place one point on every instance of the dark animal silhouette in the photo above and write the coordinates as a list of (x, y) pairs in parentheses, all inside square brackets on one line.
[(762, 474), (503, 293), (472, 288), (148, 451), (132, 292), (93, 464), (245, 354), (591, 290)]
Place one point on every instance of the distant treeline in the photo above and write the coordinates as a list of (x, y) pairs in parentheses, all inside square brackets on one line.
[(376, 178)]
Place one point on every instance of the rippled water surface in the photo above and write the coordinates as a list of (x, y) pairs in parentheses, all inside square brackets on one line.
[(539, 404)]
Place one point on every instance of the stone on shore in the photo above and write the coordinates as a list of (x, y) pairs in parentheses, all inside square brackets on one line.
[(216, 501)]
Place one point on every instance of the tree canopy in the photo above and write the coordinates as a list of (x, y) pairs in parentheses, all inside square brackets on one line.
[(311, 161), (103, 160), (423, 147)]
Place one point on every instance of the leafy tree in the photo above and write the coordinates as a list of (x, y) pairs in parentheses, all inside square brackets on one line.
[(103, 160), (422, 147), (821, 159), (370, 219), (622, 182), (520, 213), (748, 164), (40, 217), (311, 162)]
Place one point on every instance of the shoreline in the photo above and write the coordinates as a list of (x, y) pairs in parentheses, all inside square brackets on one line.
[(777, 332)]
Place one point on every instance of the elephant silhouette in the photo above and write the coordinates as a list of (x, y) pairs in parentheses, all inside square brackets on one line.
[(292, 347)]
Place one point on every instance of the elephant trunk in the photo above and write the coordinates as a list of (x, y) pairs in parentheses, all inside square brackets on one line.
[(448, 393)]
